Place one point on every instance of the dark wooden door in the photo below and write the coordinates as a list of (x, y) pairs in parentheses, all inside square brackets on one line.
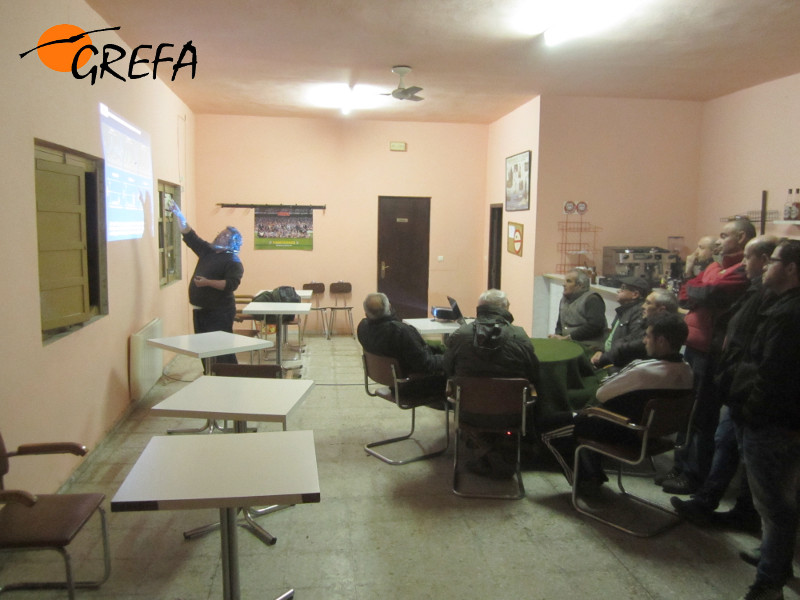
[(403, 252), (495, 245)]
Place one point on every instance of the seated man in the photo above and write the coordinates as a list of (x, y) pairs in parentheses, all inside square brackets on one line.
[(626, 393), (582, 312), (658, 301), (625, 341), (382, 333), (491, 346)]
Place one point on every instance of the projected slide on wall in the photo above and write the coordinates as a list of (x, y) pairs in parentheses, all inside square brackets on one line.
[(129, 176)]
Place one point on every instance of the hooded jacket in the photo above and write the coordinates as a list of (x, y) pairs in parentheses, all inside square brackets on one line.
[(491, 346)]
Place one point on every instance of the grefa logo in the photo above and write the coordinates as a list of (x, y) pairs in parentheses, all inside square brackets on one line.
[(69, 48)]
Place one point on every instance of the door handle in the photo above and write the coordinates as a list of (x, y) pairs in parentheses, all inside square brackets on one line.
[(384, 267)]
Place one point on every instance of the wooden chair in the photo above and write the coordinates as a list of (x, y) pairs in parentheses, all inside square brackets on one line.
[(48, 521), (500, 405), (654, 435), (387, 372), (317, 291), (339, 292)]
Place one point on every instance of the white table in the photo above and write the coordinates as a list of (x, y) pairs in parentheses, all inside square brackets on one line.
[(279, 309), (433, 327), (240, 399), (224, 472), (209, 345)]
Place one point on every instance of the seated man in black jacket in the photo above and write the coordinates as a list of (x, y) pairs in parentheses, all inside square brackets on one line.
[(625, 341), (382, 333), (491, 346)]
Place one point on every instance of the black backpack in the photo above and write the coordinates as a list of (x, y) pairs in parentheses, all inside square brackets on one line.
[(283, 293)]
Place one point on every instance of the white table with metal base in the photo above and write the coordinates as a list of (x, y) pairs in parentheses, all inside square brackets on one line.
[(279, 309), (187, 472), (206, 347), (240, 399)]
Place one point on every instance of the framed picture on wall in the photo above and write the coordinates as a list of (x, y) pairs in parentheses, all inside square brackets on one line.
[(518, 181)]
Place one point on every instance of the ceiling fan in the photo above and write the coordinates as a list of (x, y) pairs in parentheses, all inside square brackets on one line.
[(404, 93)]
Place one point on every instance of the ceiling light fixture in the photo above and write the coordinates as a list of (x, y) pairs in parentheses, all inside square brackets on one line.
[(564, 20), (344, 98)]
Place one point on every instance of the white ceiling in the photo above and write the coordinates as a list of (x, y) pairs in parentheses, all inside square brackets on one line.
[(258, 57)]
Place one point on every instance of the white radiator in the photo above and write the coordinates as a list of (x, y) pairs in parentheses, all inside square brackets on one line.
[(146, 361)]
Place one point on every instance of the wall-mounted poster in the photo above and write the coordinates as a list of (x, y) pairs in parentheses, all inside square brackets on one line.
[(284, 228), (514, 242), (518, 181)]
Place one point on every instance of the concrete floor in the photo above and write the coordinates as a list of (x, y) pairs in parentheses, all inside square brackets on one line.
[(381, 531)]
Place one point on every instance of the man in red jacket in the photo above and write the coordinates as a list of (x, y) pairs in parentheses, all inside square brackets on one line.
[(709, 297)]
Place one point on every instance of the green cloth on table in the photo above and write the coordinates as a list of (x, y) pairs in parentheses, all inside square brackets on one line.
[(567, 380)]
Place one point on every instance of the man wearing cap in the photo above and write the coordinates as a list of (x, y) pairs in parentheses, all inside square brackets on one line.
[(625, 342)]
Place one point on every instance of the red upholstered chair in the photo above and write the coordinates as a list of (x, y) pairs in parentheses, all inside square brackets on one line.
[(47, 521)]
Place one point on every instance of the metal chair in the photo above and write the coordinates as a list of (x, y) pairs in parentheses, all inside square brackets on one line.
[(317, 291), (48, 521), (387, 372), (661, 419), (500, 405), (339, 291)]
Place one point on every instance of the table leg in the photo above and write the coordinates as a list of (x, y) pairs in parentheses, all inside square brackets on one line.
[(279, 340), (230, 554), (211, 425)]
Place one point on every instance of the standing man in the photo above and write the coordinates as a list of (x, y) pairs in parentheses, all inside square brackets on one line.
[(709, 298), (582, 312), (216, 276), (741, 328), (769, 414), (626, 340), (702, 256)]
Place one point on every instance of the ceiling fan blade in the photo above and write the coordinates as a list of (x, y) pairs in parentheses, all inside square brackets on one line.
[(415, 98), (410, 91)]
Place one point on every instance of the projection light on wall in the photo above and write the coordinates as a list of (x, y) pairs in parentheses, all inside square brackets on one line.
[(128, 177)]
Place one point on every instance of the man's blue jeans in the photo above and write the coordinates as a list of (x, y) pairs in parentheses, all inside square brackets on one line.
[(724, 464), (772, 458)]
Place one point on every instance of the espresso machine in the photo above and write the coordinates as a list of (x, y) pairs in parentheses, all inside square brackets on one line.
[(654, 264)]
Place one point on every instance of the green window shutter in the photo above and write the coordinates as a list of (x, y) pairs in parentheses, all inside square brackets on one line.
[(61, 221)]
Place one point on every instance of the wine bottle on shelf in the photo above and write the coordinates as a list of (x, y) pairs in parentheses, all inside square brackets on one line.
[(796, 205)]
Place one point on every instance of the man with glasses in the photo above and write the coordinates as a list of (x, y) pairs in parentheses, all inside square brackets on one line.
[(765, 403)]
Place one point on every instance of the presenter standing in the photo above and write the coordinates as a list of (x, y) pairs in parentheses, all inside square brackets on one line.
[(216, 276)]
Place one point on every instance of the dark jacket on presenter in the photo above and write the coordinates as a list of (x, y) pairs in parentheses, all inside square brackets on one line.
[(214, 310)]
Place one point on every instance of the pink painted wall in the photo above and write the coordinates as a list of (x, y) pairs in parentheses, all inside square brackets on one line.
[(76, 388), (516, 132), (345, 165), (635, 162), (751, 142)]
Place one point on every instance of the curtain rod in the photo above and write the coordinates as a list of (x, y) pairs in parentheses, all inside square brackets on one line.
[(315, 207)]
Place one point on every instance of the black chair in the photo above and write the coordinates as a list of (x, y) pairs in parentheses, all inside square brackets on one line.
[(491, 405), (661, 419), (48, 521), (339, 292), (387, 372), (317, 291)]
